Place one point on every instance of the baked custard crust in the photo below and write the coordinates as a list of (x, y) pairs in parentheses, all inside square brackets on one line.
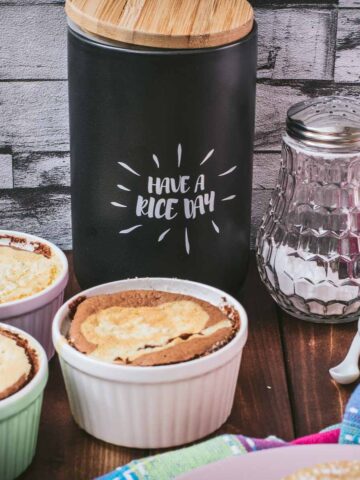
[(149, 327), (26, 268), (18, 363)]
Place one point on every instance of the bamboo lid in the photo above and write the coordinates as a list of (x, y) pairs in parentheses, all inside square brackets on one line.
[(164, 23)]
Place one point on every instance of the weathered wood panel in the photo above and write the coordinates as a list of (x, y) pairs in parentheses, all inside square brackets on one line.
[(273, 102), (347, 65), (33, 170), (40, 211), (30, 51), (31, 2), (34, 116), (6, 172), (260, 201), (296, 43), (266, 167), (349, 3), (292, 3), (33, 42)]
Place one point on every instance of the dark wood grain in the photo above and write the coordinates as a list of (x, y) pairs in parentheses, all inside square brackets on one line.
[(261, 406), (310, 350), (283, 389)]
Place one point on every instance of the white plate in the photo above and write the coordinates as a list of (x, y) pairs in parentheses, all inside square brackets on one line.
[(272, 464)]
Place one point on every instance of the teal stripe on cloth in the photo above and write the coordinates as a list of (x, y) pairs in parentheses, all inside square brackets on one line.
[(350, 427)]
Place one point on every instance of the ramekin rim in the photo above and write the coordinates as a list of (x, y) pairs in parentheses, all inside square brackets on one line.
[(61, 344), (59, 280), (39, 376)]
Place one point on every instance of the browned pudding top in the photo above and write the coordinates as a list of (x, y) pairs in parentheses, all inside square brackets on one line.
[(26, 268), (340, 470), (149, 327), (18, 363)]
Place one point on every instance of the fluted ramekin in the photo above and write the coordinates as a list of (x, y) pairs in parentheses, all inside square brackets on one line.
[(151, 407), (20, 416), (34, 314)]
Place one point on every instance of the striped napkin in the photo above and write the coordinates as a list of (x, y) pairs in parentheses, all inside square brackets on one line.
[(167, 466)]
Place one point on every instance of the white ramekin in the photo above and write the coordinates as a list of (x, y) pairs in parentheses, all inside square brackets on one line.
[(151, 407), (20, 417), (35, 314)]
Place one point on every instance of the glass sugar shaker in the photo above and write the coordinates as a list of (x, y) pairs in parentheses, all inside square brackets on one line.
[(308, 245)]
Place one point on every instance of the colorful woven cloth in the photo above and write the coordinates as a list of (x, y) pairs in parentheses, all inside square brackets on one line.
[(167, 466), (350, 428)]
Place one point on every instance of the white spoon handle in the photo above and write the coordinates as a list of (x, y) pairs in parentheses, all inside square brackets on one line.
[(348, 370), (354, 351)]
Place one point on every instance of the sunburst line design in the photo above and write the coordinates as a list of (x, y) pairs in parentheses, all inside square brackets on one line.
[(216, 228), (228, 171), (179, 153), (156, 160), (207, 156), (231, 197), (123, 188), (163, 235), (128, 230), (187, 243), (124, 165)]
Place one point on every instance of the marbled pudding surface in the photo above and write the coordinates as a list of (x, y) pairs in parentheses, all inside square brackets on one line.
[(149, 327)]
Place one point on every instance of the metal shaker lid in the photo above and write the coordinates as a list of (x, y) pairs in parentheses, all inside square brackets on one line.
[(184, 24), (326, 122)]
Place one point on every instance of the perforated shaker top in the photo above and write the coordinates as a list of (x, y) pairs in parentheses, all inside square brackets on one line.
[(331, 123)]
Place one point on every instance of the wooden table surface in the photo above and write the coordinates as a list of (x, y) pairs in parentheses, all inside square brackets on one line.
[(283, 389)]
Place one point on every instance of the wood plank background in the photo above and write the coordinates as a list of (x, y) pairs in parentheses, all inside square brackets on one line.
[(306, 48)]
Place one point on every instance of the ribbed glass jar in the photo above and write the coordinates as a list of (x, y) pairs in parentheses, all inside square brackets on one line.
[(308, 245)]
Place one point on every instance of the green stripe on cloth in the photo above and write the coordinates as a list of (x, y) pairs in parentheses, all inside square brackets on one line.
[(170, 464)]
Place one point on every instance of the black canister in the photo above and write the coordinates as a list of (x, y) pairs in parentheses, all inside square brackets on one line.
[(161, 152)]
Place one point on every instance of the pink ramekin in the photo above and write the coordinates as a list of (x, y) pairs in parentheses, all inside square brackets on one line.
[(34, 314), (151, 407)]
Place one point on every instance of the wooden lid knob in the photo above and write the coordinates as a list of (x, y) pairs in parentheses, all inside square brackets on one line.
[(164, 23)]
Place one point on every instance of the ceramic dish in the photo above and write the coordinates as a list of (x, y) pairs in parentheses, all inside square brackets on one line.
[(273, 464), (20, 416), (35, 313), (151, 407)]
